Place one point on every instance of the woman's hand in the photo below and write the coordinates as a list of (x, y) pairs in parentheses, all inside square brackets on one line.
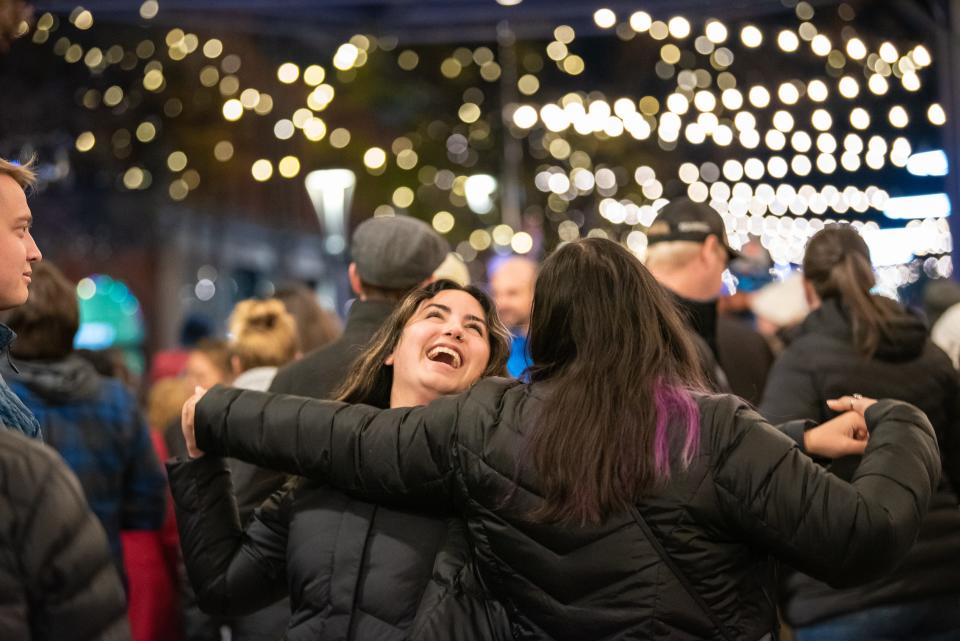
[(843, 435), (852, 403), (186, 422)]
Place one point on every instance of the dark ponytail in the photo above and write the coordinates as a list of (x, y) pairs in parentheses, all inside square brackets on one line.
[(837, 264)]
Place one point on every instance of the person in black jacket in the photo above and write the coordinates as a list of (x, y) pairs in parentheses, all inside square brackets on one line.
[(58, 581), (851, 342), (355, 570), (608, 498)]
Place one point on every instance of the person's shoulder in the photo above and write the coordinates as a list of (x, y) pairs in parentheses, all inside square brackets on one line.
[(493, 388), (25, 460)]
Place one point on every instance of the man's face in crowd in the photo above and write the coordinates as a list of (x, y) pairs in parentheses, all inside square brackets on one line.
[(512, 291), (18, 251)]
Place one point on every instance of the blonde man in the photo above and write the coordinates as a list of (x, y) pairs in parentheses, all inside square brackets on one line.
[(18, 254)]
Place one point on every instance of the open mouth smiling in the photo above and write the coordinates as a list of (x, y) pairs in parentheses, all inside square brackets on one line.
[(447, 355)]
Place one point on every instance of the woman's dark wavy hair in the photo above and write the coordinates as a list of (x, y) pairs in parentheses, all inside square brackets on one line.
[(837, 264), (370, 379), (622, 367)]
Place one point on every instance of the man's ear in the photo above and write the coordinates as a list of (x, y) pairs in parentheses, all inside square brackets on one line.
[(710, 248), (355, 283)]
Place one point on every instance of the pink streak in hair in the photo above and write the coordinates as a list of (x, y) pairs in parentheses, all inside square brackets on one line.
[(675, 407)]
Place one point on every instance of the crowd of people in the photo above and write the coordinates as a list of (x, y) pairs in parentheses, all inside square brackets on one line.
[(588, 448)]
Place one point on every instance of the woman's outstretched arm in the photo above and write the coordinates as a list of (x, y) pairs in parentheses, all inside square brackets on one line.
[(402, 454), (839, 532), (233, 571)]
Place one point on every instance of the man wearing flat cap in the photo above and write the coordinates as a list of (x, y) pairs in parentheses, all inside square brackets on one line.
[(391, 257), (688, 252)]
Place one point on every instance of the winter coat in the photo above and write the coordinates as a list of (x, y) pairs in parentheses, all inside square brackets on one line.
[(14, 415), (748, 495), (822, 363), (96, 426), (353, 570), (57, 577)]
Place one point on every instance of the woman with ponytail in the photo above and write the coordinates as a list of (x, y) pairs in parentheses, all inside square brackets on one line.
[(609, 498), (857, 342)]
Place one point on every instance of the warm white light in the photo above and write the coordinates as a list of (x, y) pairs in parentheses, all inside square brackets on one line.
[(604, 18), (821, 45), (759, 96), (849, 87), (732, 99), (525, 117), (288, 73), (800, 140), (788, 41), (788, 93), (911, 81), (921, 56), (821, 119), (936, 114), (677, 103), (783, 121), (856, 49), (374, 158), (640, 21), (888, 53), (704, 101), (817, 90), (751, 36), (232, 110), (679, 27), (899, 117), (262, 170), (878, 84), (859, 118), (716, 32)]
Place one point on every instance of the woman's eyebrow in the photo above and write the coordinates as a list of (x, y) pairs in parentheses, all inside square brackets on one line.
[(469, 317)]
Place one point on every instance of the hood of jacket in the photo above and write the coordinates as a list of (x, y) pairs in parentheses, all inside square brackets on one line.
[(61, 381), (905, 341)]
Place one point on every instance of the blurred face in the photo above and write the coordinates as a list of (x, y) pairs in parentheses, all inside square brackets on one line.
[(18, 251), (201, 371), (512, 291), (715, 264), (444, 349)]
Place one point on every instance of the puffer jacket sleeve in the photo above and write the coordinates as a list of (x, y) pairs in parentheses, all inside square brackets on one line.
[(73, 586), (792, 389), (233, 571), (839, 532), (400, 456)]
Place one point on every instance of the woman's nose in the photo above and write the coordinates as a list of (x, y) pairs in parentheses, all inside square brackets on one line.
[(455, 332)]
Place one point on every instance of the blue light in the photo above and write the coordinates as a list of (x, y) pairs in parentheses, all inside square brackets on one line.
[(925, 206), (928, 163)]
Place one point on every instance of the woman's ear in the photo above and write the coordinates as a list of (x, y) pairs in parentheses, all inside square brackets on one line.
[(389, 359)]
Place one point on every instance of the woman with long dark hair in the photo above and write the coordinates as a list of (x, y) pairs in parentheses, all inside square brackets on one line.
[(354, 570), (609, 498), (855, 341)]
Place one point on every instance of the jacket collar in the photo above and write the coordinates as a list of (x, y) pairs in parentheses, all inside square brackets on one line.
[(7, 336), (365, 318)]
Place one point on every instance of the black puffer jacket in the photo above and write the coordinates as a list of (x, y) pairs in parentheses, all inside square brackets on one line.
[(58, 581), (353, 570), (749, 494), (822, 363)]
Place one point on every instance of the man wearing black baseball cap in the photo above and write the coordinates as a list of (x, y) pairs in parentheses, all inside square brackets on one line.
[(688, 252)]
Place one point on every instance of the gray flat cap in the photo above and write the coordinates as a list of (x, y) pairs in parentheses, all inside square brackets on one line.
[(396, 252)]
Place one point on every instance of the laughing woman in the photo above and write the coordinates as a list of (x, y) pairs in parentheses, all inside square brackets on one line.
[(354, 570), (608, 498)]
